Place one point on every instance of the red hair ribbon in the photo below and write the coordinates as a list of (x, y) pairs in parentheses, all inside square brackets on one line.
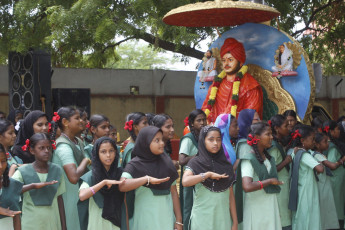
[(295, 134), (8, 156), (54, 145), (186, 121), (50, 127), (253, 140), (326, 129), (26, 147), (56, 117), (88, 125), (129, 125), (270, 123)]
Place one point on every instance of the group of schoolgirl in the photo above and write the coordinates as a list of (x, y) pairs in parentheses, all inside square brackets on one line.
[(66, 184), (51, 178), (288, 175)]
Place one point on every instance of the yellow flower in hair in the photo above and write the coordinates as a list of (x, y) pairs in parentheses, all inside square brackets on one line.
[(234, 110), (236, 88)]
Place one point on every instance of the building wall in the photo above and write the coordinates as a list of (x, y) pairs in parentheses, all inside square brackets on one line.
[(160, 91)]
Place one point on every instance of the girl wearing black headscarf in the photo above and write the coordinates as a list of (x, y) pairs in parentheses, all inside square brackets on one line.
[(101, 200), (213, 176), (152, 174), (35, 122)]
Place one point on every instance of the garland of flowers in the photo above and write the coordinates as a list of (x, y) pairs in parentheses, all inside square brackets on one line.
[(235, 90)]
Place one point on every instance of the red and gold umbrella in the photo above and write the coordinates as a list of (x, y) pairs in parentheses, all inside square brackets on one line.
[(220, 13)]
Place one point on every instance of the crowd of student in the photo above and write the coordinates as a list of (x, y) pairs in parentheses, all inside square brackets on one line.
[(242, 173)]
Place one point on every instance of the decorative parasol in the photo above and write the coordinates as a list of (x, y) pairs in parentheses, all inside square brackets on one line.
[(220, 13)]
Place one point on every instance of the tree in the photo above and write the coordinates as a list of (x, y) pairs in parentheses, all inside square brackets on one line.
[(85, 33), (139, 56)]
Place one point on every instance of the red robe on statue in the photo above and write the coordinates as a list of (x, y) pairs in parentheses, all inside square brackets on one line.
[(250, 97)]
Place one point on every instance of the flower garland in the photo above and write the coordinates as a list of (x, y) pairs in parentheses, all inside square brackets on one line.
[(235, 90)]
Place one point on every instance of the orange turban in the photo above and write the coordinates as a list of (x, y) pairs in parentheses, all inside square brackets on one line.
[(231, 45)]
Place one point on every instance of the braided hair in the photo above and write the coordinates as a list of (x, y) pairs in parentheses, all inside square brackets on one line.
[(34, 139), (332, 125), (63, 112), (97, 120), (136, 117), (305, 132), (258, 129), (318, 138), (290, 113), (191, 119), (276, 121), (317, 124), (5, 177), (150, 116)]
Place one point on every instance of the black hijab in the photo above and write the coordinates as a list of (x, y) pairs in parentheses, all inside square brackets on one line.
[(12, 116), (146, 163), (205, 161), (113, 198), (26, 130)]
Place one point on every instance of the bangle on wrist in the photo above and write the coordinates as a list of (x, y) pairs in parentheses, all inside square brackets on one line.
[(179, 223), (261, 185), (202, 177), (148, 181), (92, 190)]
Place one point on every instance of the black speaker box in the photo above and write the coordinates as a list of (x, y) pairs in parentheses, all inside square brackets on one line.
[(30, 82), (72, 97)]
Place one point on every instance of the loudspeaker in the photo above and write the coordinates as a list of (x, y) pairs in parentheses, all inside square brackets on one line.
[(30, 82), (72, 97)]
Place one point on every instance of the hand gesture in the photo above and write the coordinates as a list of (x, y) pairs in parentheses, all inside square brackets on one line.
[(275, 181), (158, 181), (43, 184), (110, 183), (288, 159), (216, 176), (342, 160), (178, 227), (8, 212)]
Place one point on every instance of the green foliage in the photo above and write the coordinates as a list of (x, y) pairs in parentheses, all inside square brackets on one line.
[(323, 32), (86, 33), (139, 56)]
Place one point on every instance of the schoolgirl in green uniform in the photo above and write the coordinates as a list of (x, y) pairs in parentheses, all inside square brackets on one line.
[(279, 126), (7, 139), (152, 175), (257, 176), (166, 124), (329, 218), (69, 155), (212, 175), (100, 198), (304, 194), (43, 187), (335, 154), (99, 127), (10, 191), (35, 122), (134, 123), (188, 149)]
